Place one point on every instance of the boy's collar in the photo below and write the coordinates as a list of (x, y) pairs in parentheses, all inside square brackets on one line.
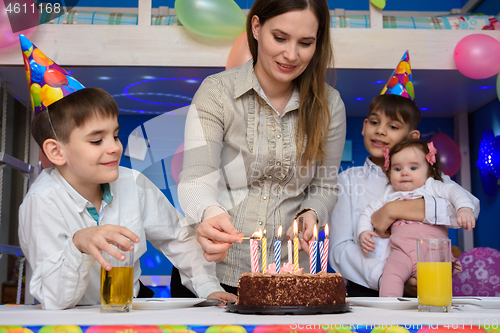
[(369, 165), (79, 200)]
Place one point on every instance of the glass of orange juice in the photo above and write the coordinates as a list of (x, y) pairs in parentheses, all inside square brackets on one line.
[(117, 284), (434, 275)]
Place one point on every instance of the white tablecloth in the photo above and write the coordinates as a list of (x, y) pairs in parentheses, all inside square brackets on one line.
[(33, 315)]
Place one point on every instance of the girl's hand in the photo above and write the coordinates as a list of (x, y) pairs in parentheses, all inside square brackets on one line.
[(465, 218), (366, 241), (216, 235)]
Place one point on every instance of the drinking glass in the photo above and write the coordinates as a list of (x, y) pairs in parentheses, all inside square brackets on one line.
[(434, 275), (117, 285)]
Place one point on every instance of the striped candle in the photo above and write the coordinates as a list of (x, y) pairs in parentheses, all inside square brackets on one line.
[(313, 250), (324, 253), (322, 256), (277, 251), (295, 247), (264, 253), (253, 255)]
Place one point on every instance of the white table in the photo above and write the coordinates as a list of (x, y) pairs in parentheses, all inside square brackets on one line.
[(33, 315)]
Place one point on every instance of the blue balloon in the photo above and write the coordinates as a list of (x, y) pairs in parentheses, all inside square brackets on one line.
[(73, 83), (37, 71), (25, 43), (398, 89)]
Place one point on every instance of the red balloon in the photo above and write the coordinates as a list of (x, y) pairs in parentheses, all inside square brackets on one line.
[(54, 78), (449, 153), (392, 81)]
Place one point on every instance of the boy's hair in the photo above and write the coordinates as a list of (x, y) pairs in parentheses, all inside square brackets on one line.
[(397, 108), (434, 170), (71, 112)]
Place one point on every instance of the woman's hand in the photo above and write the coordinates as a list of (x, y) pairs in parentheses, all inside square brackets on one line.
[(216, 235), (306, 222)]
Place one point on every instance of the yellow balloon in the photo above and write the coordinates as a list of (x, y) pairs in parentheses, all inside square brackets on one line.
[(50, 94), (35, 94)]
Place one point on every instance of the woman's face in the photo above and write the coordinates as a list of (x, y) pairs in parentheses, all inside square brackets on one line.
[(287, 43)]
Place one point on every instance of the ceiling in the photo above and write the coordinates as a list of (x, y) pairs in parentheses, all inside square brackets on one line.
[(156, 90)]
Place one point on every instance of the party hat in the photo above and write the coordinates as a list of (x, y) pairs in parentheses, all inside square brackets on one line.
[(47, 81), (401, 80)]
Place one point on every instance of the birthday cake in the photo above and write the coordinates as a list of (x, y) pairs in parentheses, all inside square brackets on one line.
[(286, 289)]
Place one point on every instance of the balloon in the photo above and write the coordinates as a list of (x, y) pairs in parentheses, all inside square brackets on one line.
[(176, 165), (8, 38), (449, 153), (54, 78), (380, 4), (41, 58), (480, 274), (37, 71), (211, 18), (392, 81), (410, 89), (49, 94), (35, 94), (73, 83), (240, 52), (498, 86), (477, 56)]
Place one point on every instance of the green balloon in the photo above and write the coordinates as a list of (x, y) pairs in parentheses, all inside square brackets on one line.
[(498, 85), (211, 18)]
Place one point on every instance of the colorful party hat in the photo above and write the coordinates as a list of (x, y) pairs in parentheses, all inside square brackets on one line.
[(401, 80), (47, 81)]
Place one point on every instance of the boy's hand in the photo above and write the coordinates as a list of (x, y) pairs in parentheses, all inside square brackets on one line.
[(465, 218), (366, 241), (223, 296), (309, 219), (94, 239)]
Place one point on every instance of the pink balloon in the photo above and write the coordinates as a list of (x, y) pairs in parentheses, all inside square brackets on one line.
[(9, 38), (176, 165), (477, 56), (240, 52), (449, 153)]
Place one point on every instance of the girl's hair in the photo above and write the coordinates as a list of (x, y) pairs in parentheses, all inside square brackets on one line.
[(314, 113), (70, 112), (397, 108), (434, 170)]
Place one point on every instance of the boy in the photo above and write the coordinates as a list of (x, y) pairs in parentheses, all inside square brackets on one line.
[(392, 117), (73, 211)]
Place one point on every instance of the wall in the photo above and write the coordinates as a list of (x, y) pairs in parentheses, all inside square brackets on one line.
[(487, 228)]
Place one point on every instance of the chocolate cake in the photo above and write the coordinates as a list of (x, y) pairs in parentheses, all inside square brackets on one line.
[(302, 289)]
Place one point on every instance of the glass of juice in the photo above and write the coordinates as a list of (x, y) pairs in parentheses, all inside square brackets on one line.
[(117, 284), (434, 275)]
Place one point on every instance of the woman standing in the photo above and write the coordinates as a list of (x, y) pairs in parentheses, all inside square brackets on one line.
[(263, 141)]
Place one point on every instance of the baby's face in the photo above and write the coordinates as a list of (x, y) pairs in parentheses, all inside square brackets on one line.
[(409, 169)]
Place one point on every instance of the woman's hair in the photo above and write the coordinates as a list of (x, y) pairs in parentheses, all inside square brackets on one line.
[(314, 113), (434, 170), (70, 112), (397, 108)]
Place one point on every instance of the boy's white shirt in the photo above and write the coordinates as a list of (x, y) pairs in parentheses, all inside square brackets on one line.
[(63, 277), (456, 196), (366, 184)]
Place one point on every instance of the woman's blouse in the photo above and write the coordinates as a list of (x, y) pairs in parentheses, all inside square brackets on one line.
[(240, 154)]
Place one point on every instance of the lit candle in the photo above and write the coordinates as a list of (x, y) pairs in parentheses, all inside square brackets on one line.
[(277, 250), (254, 258), (264, 252), (295, 246), (313, 250), (290, 252), (324, 250)]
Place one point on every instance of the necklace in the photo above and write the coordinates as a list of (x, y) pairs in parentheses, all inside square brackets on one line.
[(283, 104)]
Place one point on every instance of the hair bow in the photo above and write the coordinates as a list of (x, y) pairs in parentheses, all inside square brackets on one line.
[(431, 156), (387, 162)]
